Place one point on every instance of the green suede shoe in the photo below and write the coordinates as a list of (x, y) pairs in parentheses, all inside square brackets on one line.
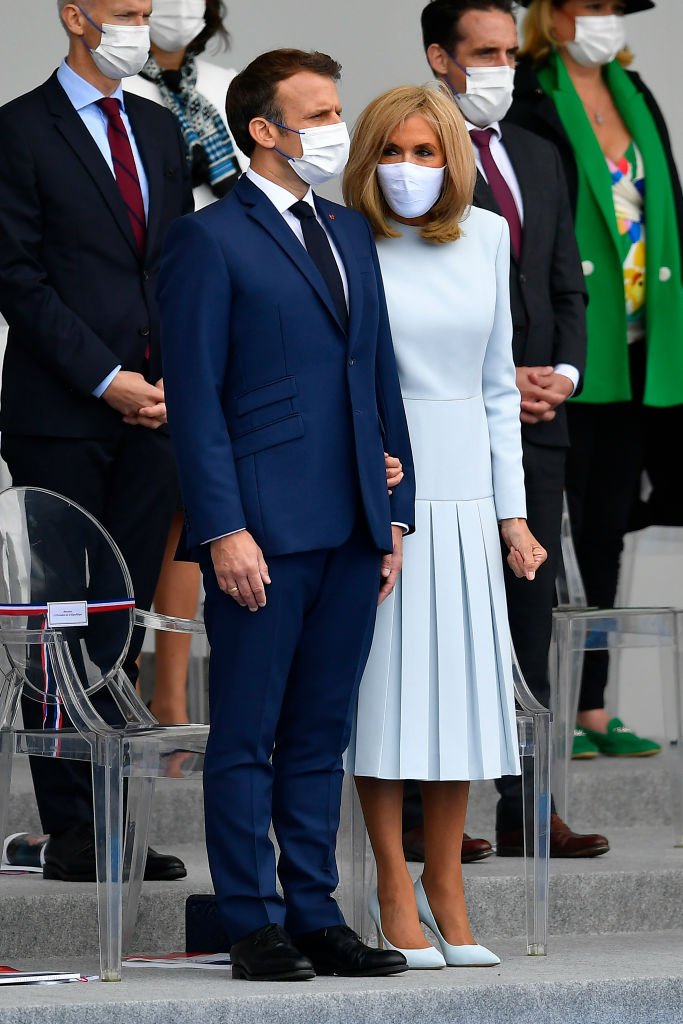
[(583, 749), (620, 741)]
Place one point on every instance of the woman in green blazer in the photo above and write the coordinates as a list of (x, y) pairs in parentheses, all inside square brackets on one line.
[(572, 87)]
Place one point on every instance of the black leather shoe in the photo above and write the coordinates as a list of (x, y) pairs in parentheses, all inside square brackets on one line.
[(70, 857), (268, 955), (338, 950)]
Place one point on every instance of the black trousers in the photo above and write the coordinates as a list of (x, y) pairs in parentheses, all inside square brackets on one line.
[(604, 466), (530, 607), (129, 484)]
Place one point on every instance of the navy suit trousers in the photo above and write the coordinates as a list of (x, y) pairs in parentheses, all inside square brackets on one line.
[(283, 683)]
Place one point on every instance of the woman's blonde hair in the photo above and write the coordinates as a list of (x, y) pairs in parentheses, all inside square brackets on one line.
[(361, 188), (538, 38)]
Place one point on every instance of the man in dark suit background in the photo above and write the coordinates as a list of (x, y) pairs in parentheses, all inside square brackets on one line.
[(89, 183), (280, 413), (471, 45)]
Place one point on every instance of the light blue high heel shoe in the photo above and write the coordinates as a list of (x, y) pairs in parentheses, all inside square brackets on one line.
[(429, 959), (455, 956)]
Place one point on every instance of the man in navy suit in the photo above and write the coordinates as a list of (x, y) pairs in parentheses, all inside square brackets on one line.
[(283, 395), (90, 179)]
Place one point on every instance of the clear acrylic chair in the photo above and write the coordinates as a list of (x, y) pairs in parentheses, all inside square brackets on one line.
[(67, 612), (578, 628), (354, 853)]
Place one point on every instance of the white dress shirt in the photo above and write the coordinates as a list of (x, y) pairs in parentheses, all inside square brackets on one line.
[(282, 199), (504, 165), (83, 97)]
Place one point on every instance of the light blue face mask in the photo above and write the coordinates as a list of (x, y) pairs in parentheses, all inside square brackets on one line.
[(325, 151)]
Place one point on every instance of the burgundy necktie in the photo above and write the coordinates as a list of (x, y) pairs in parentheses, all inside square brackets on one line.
[(125, 170), (499, 186)]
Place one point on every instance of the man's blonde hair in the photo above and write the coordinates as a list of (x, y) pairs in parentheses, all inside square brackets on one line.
[(538, 38), (361, 188)]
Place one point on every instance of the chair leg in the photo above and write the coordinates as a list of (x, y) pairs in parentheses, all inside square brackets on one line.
[(6, 752), (536, 868), (139, 808), (197, 688), (363, 868), (566, 667), (108, 807), (674, 705)]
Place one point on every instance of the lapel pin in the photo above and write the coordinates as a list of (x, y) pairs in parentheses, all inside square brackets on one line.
[(331, 216)]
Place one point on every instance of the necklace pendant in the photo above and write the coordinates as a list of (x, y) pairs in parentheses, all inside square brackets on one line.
[(599, 119)]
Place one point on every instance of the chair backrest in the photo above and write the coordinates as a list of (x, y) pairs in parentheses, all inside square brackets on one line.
[(568, 583), (60, 570)]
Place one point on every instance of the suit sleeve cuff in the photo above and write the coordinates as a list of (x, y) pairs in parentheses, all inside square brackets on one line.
[(221, 535), (102, 387), (567, 370)]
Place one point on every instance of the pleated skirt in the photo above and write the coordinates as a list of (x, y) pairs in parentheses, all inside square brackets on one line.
[(436, 701)]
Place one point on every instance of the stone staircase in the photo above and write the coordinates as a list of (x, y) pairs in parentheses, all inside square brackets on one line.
[(616, 934)]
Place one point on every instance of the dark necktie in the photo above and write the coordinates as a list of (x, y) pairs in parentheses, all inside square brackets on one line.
[(319, 249), (125, 170), (499, 186)]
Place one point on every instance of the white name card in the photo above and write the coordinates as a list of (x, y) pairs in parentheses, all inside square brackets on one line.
[(67, 613)]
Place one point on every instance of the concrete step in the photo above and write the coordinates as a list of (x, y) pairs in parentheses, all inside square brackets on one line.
[(606, 793), (616, 979), (637, 887)]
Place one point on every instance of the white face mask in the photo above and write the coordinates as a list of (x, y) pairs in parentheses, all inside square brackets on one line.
[(325, 152), (123, 49), (597, 39), (488, 96), (410, 190), (175, 23)]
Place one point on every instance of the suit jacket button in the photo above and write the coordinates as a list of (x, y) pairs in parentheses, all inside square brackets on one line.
[(145, 275), (144, 332), (352, 362), (664, 273), (522, 278)]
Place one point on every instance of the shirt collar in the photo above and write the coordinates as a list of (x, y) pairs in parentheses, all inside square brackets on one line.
[(280, 197), (81, 93), (495, 125)]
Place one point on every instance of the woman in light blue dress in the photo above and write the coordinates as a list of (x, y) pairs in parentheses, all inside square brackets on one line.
[(436, 702)]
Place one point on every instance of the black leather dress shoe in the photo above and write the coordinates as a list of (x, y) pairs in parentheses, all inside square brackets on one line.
[(268, 955), (338, 950), (70, 857)]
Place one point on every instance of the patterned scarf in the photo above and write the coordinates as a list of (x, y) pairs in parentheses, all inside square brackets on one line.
[(209, 146)]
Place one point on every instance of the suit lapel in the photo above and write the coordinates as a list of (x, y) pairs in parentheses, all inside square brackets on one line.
[(71, 127), (531, 189), (144, 138), (264, 213), (483, 196)]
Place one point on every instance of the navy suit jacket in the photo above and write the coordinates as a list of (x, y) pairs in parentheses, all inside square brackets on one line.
[(78, 298), (279, 417)]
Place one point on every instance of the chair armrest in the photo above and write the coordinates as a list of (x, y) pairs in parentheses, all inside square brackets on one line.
[(167, 623)]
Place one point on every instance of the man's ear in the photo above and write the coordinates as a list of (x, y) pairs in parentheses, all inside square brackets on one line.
[(262, 132), (73, 20), (438, 59)]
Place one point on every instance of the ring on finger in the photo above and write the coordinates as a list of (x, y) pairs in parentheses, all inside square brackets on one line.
[(233, 590)]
